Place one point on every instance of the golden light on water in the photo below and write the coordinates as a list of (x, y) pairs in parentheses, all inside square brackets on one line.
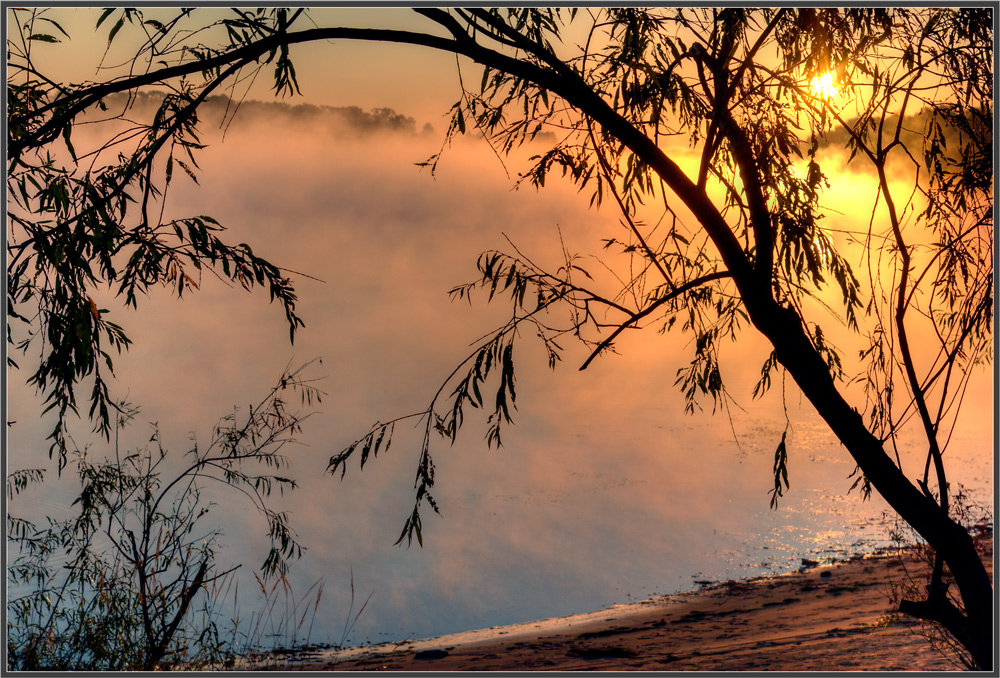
[(824, 87)]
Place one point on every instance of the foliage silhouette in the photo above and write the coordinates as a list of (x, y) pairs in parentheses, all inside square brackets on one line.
[(741, 242), (137, 556)]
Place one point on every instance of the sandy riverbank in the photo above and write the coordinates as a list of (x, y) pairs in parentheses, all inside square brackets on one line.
[(827, 618)]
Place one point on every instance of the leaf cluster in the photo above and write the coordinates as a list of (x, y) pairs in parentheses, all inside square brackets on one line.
[(115, 586), (90, 223), (733, 83)]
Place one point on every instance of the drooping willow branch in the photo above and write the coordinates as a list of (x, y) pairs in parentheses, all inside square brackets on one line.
[(636, 317)]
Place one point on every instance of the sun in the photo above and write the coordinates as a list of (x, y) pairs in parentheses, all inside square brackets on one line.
[(822, 86)]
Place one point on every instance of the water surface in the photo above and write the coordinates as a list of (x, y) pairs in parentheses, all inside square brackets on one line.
[(604, 492)]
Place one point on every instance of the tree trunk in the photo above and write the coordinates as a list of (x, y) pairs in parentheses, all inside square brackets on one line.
[(796, 353), (781, 326)]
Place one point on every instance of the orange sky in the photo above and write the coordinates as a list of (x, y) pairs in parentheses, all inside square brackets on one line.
[(419, 81)]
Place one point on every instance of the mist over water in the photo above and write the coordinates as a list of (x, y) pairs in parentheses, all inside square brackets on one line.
[(604, 492)]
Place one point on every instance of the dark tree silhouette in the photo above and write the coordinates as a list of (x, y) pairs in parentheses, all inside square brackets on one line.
[(745, 246)]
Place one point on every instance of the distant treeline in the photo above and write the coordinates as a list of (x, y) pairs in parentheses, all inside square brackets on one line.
[(353, 121), (951, 131), (221, 110)]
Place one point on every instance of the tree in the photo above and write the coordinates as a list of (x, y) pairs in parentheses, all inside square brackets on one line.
[(745, 247), (138, 555)]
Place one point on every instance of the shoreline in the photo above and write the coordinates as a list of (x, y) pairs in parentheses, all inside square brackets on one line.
[(819, 618)]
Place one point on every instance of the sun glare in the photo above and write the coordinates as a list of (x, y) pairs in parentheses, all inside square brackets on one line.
[(823, 86)]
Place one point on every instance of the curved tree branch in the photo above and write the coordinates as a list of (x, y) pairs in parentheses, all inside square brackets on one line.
[(636, 317)]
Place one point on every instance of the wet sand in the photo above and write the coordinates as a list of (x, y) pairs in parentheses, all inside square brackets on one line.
[(826, 618)]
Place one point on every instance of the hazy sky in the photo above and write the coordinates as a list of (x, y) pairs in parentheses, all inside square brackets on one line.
[(421, 82), (604, 491)]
